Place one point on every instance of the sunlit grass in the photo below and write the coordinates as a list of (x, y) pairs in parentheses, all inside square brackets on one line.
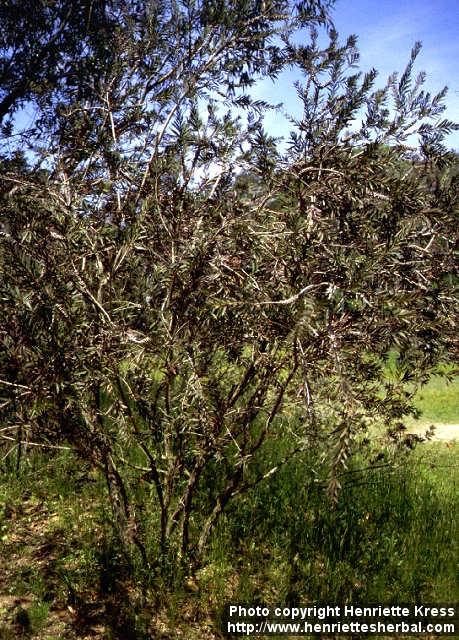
[(438, 401), (391, 538)]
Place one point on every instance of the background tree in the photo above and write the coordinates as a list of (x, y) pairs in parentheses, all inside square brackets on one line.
[(181, 299)]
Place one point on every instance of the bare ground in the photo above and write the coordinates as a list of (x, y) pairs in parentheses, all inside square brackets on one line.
[(443, 432), (29, 551)]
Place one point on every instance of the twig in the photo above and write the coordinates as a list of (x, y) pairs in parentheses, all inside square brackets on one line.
[(37, 444), (14, 384), (293, 298)]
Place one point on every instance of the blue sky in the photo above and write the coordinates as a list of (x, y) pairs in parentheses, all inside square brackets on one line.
[(387, 30)]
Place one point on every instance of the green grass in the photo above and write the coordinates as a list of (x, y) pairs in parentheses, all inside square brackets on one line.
[(438, 401), (62, 568), (391, 538)]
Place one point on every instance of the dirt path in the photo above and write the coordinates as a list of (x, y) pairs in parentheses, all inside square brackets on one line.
[(443, 432)]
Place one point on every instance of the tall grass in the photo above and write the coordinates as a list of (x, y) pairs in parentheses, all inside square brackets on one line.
[(391, 538)]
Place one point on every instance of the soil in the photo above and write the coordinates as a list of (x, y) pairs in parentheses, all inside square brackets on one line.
[(443, 432)]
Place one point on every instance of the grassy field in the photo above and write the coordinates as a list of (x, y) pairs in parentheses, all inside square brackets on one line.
[(392, 538), (439, 401)]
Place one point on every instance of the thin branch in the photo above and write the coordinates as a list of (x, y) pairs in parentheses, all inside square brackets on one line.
[(15, 385), (37, 444), (290, 300)]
